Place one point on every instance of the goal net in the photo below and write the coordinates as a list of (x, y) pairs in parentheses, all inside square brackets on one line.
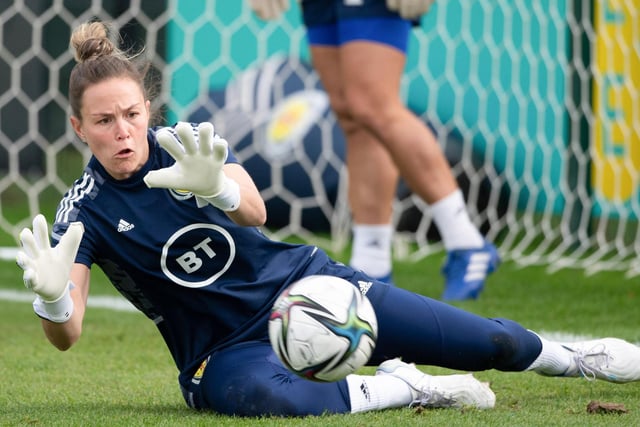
[(535, 105)]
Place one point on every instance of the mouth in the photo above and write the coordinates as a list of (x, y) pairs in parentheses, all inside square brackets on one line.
[(124, 153)]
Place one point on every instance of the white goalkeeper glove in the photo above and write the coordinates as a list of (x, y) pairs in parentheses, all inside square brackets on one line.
[(410, 9), (269, 9), (47, 269), (198, 166)]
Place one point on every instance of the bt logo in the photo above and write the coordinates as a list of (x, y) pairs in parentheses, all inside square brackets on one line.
[(201, 263)]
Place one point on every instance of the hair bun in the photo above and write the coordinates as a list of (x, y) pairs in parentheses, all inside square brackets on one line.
[(91, 41), (94, 48)]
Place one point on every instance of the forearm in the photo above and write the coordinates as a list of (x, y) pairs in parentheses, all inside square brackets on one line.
[(64, 334), (250, 214), (251, 209)]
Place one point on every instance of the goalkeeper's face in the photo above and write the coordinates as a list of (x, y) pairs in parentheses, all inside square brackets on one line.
[(114, 123)]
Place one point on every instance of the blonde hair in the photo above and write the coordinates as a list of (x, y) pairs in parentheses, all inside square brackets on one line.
[(99, 58)]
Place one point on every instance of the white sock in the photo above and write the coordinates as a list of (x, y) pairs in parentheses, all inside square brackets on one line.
[(370, 393), (371, 251), (453, 222), (553, 360)]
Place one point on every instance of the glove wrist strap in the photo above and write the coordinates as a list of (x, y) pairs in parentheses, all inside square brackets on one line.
[(228, 199), (58, 311)]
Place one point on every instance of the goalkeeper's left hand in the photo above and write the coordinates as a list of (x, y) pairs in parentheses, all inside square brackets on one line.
[(198, 166), (410, 9)]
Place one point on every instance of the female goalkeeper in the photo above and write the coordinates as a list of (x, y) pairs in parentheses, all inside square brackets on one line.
[(170, 216)]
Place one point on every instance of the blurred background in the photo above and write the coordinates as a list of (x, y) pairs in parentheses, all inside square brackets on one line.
[(536, 105)]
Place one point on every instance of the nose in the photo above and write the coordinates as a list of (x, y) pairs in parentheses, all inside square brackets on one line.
[(121, 130)]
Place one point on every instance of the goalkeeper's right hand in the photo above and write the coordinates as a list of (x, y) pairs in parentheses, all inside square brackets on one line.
[(269, 9), (47, 269), (198, 167)]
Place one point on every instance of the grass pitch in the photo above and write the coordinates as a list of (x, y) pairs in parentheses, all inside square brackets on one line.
[(120, 373)]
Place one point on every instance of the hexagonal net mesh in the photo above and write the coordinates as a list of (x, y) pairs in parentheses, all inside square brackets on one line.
[(535, 105)]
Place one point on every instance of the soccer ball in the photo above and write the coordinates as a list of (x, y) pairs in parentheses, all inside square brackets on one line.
[(322, 328)]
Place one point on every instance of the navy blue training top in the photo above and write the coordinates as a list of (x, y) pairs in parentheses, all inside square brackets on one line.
[(204, 281)]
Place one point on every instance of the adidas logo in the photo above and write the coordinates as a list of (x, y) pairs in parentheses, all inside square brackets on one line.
[(365, 391), (364, 286), (478, 266), (124, 226)]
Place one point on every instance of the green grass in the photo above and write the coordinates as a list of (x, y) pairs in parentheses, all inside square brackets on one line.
[(120, 373)]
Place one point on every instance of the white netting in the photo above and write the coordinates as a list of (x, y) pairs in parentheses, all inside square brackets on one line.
[(535, 104)]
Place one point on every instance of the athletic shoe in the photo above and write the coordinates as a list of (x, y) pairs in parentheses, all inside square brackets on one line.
[(609, 359), (466, 270), (440, 391)]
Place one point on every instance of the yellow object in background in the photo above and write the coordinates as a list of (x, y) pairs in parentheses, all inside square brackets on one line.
[(616, 134)]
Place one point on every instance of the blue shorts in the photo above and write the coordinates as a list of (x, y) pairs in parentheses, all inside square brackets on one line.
[(333, 23)]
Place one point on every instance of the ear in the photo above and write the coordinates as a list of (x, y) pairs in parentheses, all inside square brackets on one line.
[(77, 127)]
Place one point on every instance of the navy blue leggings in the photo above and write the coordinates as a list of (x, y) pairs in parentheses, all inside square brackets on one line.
[(248, 380), (430, 332)]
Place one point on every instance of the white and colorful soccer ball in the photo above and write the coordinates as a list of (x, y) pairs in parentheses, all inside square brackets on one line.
[(322, 328)]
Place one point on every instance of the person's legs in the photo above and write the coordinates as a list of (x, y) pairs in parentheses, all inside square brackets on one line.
[(425, 331), (362, 76), (429, 332), (371, 77), (373, 176), (248, 380)]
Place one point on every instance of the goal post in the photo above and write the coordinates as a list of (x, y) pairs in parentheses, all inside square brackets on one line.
[(534, 103)]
